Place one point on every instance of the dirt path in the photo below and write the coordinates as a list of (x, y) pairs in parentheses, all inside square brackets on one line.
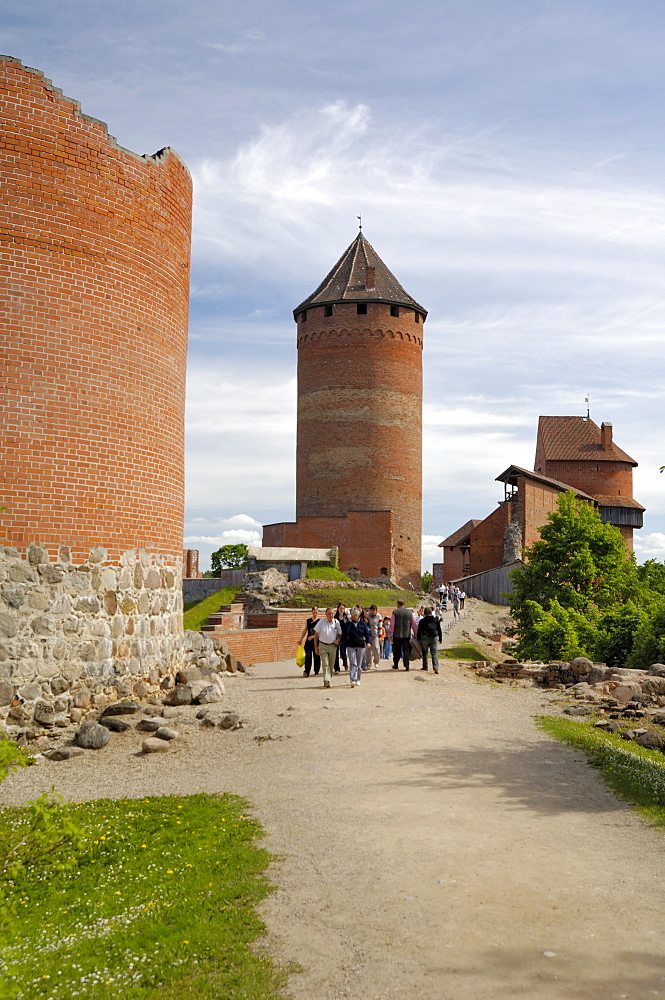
[(434, 843)]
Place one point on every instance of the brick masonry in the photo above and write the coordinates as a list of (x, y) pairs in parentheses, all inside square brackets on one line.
[(94, 271), (359, 444), (364, 538)]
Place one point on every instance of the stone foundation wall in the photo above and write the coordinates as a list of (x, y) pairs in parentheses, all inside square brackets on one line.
[(78, 629)]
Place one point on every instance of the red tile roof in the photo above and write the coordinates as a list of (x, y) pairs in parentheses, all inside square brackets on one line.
[(574, 439), (513, 471), (460, 535), (605, 501)]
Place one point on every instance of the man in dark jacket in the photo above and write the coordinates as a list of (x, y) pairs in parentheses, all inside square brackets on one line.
[(358, 640), (429, 637), (402, 624)]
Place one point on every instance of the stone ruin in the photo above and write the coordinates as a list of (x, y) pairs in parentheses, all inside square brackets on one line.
[(619, 696)]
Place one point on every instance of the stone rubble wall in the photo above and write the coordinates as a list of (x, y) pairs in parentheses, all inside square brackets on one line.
[(586, 681), (76, 635)]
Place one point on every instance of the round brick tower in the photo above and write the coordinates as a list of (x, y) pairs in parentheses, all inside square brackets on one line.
[(359, 440), (95, 275)]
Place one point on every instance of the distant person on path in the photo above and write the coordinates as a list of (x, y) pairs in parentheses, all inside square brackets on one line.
[(387, 644), (462, 598), (327, 635), (341, 616), (375, 622), (455, 605), (358, 640), (429, 637), (402, 624), (309, 643)]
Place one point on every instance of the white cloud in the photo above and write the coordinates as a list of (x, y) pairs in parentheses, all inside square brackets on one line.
[(650, 546), (431, 551)]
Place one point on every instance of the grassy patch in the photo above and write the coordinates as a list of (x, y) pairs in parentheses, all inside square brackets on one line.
[(349, 597), (161, 904), (462, 651), (196, 612), (325, 573), (634, 772)]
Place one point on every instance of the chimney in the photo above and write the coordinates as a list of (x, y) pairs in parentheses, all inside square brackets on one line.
[(370, 273), (606, 436)]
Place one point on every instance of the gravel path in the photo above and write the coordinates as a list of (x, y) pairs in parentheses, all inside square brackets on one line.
[(433, 843)]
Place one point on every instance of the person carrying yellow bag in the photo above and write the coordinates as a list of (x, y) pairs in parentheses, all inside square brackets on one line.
[(308, 651)]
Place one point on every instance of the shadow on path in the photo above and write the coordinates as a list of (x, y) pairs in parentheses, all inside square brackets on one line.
[(546, 778)]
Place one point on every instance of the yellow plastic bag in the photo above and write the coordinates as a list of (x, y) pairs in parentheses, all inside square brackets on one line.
[(300, 656)]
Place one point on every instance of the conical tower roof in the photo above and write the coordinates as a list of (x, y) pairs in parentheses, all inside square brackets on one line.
[(349, 280)]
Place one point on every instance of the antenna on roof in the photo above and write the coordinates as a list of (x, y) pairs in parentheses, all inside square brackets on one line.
[(586, 400), (360, 222)]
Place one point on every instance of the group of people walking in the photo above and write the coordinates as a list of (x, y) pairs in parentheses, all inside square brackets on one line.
[(358, 640), (450, 594)]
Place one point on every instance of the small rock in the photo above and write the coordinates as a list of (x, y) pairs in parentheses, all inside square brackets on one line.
[(181, 695), (577, 710), (122, 708), (210, 695), (92, 736), (628, 734), (230, 721), (153, 745), (64, 753), (164, 733), (75, 715), (149, 725), (172, 712), (202, 712), (115, 724), (46, 713), (207, 723)]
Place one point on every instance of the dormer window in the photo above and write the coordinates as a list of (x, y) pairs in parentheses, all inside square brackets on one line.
[(361, 309)]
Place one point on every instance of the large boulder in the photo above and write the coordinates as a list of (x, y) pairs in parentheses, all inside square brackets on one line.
[(581, 665), (92, 736), (657, 669), (654, 741)]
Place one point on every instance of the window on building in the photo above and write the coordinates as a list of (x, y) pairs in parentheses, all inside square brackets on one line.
[(327, 310), (361, 309), (384, 571), (303, 316), (417, 315), (394, 310)]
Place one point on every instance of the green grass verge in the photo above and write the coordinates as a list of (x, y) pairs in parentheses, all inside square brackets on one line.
[(462, 651), (161, 904), (325, 573), (196, 612), (349, 597), (633, 772)]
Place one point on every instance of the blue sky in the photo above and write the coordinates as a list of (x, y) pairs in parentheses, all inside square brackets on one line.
[(507, 158)]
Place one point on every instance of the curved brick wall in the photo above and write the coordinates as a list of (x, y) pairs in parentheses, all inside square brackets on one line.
[(95, 277), (360, 419)]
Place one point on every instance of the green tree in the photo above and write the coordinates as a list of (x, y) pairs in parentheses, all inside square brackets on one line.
[(426, 582), (576, 571), (228, 557)]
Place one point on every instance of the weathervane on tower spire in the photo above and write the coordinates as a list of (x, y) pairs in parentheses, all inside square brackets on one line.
[(360, 222)]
